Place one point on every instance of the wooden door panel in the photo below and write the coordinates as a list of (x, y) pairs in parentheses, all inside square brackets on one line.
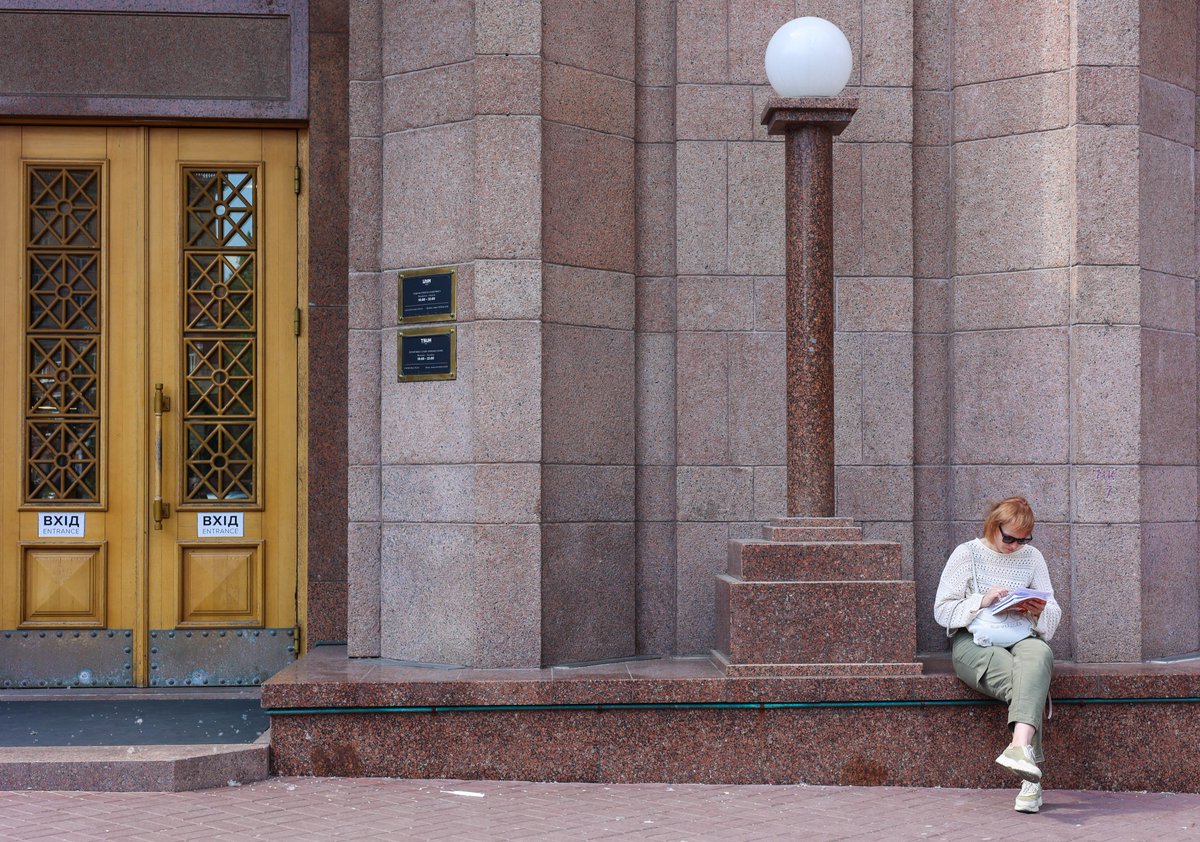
[(71, 277), (220, 586), (123, 273), (63, 586), (223, 291)]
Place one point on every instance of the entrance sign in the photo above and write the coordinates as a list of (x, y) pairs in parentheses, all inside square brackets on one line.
[(220, 524), (426, 354), (427, 295), (61, 524)]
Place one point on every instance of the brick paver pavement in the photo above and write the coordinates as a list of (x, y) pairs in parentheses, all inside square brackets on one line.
[(371, 808)]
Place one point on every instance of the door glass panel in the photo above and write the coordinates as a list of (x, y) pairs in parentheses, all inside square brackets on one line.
[(220, 341), (62, 335), (220, 208), (220, 291)]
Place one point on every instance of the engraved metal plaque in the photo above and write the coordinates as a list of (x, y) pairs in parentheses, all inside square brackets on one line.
[(427, 295), (215, 657), (76, 658), (426, 354)]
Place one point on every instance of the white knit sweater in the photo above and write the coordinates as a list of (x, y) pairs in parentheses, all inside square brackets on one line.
[(959, 595)]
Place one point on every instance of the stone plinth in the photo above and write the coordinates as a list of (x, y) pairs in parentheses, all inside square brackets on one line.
[(682, 720), (800, 602)]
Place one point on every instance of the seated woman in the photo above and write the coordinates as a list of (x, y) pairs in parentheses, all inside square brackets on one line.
[(978, 574)]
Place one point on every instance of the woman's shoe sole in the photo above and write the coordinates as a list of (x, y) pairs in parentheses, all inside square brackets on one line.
[(1026, 771)]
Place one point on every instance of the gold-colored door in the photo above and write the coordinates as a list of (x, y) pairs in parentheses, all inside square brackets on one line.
[(148, 461)]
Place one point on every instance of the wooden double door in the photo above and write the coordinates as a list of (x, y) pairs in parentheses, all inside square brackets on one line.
[(149, 481)]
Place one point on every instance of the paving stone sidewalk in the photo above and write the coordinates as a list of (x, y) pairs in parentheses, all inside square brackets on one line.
[(371, 808)]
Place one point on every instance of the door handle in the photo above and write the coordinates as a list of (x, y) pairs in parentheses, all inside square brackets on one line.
[(160, 510)]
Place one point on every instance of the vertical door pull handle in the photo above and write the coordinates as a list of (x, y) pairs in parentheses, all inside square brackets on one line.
[(160, 509)]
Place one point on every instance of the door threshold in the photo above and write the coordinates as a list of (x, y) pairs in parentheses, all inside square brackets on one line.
[(116, 694)]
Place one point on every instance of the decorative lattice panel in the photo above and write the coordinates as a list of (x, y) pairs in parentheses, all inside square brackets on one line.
[(62, 334), (220, 335), (220, 291)]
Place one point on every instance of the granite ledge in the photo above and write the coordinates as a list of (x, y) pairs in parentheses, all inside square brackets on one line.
[(327, 678)]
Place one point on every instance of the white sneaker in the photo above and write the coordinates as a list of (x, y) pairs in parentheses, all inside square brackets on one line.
[(1019, 759), (1029, 799)]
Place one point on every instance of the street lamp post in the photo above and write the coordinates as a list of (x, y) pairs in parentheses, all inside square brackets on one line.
[(792, 603), (808, 62)]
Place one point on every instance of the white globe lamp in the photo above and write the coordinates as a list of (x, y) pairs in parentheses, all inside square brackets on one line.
[(808, 57)]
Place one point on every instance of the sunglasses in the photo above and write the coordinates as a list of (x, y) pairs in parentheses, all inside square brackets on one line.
[(1008, 539)]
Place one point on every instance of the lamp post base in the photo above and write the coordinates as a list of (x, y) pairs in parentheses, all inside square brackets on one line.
[(813, 598)]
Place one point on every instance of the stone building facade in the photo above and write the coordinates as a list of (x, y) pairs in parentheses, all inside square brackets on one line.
[(1015, 261)]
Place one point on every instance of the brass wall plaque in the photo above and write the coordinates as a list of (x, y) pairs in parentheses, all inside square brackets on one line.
[(426, 354), (427, 295)]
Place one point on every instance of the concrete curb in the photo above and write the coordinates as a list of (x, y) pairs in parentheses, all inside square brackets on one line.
[(152, 768)]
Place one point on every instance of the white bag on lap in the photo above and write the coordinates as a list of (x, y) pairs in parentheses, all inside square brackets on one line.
[(1003, 629)]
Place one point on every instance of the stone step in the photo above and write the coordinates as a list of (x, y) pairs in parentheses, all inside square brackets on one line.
[(684, 719), (813, 670), (812, 533), (821, 561), (138, 768), (816, 622), (812, 521)]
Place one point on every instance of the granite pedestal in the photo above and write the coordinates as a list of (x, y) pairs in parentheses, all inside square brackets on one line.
[(813, 598), (682, 720)]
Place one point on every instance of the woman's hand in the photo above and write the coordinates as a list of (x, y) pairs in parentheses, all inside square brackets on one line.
[(1030, 609), (993, 593)]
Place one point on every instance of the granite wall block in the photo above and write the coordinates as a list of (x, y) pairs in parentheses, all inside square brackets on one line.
[(701, 553), (988, 424), (655, 396), (655, 597), (587, 395), (1106, 180), (1170, 590), (1012, 203), (1167, 200), (364, 597), (593, 37), (1034, 103), (757, 406), (587, 198), (437, 163), (887, 398), (1105, 381), (1036, 39), (1106, 602), (702, 399), (1168, 397), (588, 591), (701, 196)]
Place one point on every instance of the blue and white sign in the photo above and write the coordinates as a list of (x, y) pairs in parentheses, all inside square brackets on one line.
[(220, 524), (61, 524)]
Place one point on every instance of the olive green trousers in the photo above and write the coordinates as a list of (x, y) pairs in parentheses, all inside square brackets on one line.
[(1018, 675)]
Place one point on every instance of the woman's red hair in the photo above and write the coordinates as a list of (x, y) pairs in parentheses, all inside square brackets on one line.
[(1011, 510)]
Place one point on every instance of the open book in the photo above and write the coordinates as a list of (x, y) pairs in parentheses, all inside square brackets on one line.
[(1016, 597)]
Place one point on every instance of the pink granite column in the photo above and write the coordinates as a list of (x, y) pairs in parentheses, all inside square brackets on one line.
[(809, 126)]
